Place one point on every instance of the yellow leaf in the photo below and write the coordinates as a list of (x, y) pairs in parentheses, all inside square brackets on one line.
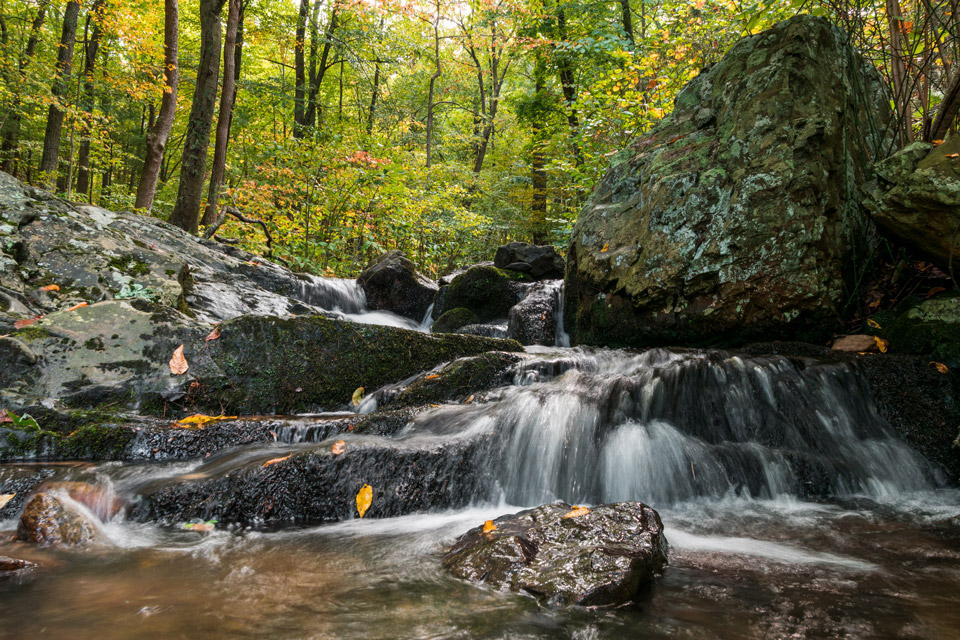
[(50, 287), (364, 498), (873, 323), (576, 512), (488, 526), (357, 396), (937, 143), (881, 344), (942, 368), (432, 376), (198, 421), (339, 447), (178, 364), (213, 335), (605, 248), (952, 155), (5, 498), (276, 460)]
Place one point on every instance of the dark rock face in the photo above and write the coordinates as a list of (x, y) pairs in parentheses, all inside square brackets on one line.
[(533, 320), (929, 327), (916, 200), (393, 283), (540, 261), (487, 291), (739, 216), (600, 558), (46, 521)]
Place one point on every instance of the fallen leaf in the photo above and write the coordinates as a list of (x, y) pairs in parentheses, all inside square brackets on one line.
[(364, 499), (873, 323), (274, 434), (881, 344), (952, 155), (50, 287), (937, 143), (432, 376), (488, 526), (77, 306), (198, 421), (468, 400), (357, 396), (213, 335), (178, 364), (934, 291), (5, 498), (25, 322), (5, 416), (942, 368), (276, 460), (605, 248), (201, 527), (576, 512), (339, 447)]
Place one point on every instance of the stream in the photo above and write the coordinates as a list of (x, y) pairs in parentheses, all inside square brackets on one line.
[(791, 508)]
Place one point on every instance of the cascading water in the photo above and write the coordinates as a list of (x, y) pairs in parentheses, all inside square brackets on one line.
[(346, 299)]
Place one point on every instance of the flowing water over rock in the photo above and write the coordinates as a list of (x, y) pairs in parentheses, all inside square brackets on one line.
[(791, 507)]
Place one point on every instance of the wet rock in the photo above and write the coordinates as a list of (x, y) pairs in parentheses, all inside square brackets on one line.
[(739, 217), (600, 558), (486, 291), (916, 200), (540, 261), (456, 381), (496, 329), (450, 321), (47, 521), (392, 283), (100, 500), (857, 343), (928, 327), (12, 565), (533, 319), (19, 482)]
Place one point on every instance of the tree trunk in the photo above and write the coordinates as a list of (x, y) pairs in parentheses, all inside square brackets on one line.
[(568, 85), (226, 111), (317, 73), (186, 213), (90, 60), (627, 22), (51, 138), (300, 82), (899, 72), (11, 126), (433, 81), (159, 133), (538, 172)]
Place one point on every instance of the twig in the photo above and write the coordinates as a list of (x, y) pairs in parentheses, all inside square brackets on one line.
[(224, 210)]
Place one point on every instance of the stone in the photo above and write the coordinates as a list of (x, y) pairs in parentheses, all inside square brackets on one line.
[(540, 261), (392, 283), (487, 291), (929, 327), (47, 521), (533, 320), (916, 200), (857, 343), (739, 217), (450, 321), (11, 565), (600, 558)]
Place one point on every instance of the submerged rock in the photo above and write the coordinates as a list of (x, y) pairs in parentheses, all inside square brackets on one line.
[(392, 283), (916, 200), (47, 520), (739, 216), (12, 565), (564, 555), (540, 261)]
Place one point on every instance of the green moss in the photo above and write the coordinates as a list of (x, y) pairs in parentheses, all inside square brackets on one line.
[(458, 379), (452, 320), (484, 290), (32, 332), (129, 265), (923, 328), (95, 442)]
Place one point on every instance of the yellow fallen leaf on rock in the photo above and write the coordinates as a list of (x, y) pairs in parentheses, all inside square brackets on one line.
[(576, 512), (198, 421), (5, 498), (339, 447), (364, 499), (357, 396), (178, 363), (873, 323), (952, 155), (939, 366), (276, 460), (937, 143), (432, 376), (77, 306), (882, 344), (488, 526), (606, 247)]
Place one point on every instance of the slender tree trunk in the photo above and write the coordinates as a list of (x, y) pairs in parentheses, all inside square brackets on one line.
[(300, 86), (226, 111), (11, 126), (627, 22), (317, 74), (538, 172), (186, 213), (51, 138), (372, 112), (159, 133), (899, 71), (90, 60), (568, 85), (433, 81)]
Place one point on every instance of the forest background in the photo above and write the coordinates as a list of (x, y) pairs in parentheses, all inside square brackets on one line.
[(350, 127)]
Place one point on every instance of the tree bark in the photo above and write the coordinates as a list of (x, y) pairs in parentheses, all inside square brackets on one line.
[(159, 133), (433, 81), (372, 111), (627, 22), (51, 138), (899, 71), (90, 61), (317, 73), (568, 85), (11, 126), (226, 112), (538, 172), (186, 213), (300, 81)]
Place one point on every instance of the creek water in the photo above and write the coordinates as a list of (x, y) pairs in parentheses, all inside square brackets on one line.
[(791, 507)]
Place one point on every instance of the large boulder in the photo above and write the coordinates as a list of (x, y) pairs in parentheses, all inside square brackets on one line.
[(485, 290), (533, 320), (392, 283), (540, 261), (565, 555), (739, 216), (49, 520), (917, 200)]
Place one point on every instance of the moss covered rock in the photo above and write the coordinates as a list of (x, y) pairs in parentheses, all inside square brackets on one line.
[(451, 320), (928, 327), (739, 216), (485, 290)]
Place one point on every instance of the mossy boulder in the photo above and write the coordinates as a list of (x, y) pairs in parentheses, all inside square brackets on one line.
[(563, 555), (916, 200), (458, 380), (453, 319), (485, 290), (739, 217), (924, 327), (392, 283)]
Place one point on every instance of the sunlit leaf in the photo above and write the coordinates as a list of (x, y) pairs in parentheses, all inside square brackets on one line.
[(364, 499), (213, 335), (576, 512), (50, 287), (606, 247), (77, 306), (276, 460), (198, 421), (882, 344), (25, 322), (488, 526), (5, 498), (178, 363), (432, 376)]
